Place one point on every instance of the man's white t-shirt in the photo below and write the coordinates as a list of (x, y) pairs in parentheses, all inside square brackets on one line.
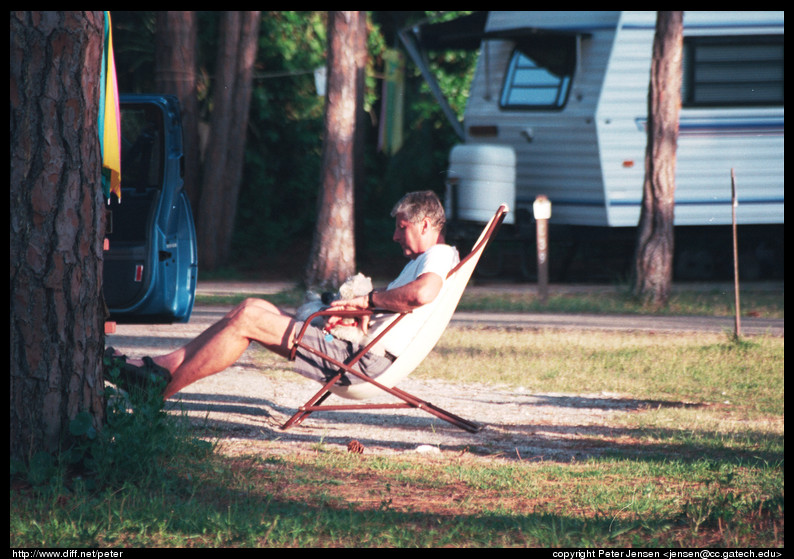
[(438, 259)]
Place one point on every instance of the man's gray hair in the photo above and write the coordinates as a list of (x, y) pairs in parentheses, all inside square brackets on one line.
[(416, 206)]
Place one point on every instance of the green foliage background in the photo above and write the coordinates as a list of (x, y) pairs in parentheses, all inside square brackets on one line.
[(281, 178)]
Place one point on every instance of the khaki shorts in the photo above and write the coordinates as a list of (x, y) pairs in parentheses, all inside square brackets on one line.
[(316, 368)]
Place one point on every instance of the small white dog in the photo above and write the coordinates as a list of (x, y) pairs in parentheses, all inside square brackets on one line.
[(342, 328)]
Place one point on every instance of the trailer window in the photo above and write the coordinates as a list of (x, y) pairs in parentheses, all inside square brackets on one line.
[(528, 85), (733, 71)]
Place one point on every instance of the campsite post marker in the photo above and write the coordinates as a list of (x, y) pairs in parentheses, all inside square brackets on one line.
[(737, 320), (541, 208)]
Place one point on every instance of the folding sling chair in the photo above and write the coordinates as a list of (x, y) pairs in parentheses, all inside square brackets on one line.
[(423, 342)]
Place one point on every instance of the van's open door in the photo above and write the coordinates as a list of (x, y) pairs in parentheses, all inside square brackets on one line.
[(151, 264)]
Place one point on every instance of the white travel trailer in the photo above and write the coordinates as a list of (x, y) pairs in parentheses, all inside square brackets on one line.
[(566, 92)]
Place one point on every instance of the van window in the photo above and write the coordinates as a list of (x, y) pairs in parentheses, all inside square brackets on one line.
[(733, 71), (529, 85), (142, 150)]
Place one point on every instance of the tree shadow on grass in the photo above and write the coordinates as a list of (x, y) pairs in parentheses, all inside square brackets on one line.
[(321, 504)]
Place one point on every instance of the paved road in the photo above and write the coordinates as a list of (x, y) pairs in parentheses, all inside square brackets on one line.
[(647, 323)]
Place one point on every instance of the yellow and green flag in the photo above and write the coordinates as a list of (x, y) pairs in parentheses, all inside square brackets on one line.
[(109, 118)]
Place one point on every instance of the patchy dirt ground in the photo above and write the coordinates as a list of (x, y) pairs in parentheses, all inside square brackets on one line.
[(245, 411), (244, 407)]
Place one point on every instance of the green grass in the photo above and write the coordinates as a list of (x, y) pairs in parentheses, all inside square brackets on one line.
[(333, 499), (288, 298), (684, 301), (714, 302)]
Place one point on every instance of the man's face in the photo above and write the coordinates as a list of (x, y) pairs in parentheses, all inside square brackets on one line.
[(412, 237)]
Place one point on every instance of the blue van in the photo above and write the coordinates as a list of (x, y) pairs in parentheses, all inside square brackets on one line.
[(151, 264)]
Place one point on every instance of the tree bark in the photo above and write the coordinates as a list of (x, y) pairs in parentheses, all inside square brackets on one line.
[(223, 162), (56, 229), (333, 254), (241, 104), (654, 252), (360, 141), (176, 39)]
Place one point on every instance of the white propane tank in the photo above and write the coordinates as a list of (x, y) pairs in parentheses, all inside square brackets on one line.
[(480, 177)]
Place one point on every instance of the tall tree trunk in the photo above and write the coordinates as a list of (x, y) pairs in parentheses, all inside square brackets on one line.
[(654, 252), (360, 142), (333, 254), (241, 104), (223, 162), (176, 38), (57, 226)]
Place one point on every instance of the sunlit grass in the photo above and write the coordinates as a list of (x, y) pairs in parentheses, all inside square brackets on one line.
[(688, 367), (715, 302)]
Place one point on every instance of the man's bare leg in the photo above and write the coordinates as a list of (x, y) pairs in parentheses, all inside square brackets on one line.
[(222, 344)]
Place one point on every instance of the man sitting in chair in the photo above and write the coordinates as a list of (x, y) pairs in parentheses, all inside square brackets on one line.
[(419, 224)]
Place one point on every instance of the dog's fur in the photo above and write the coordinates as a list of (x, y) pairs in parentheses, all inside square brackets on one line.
[(343, 329)]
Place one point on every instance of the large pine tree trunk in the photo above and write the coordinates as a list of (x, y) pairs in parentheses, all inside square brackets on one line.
[(333, 254), (56, 229), (654, 253)]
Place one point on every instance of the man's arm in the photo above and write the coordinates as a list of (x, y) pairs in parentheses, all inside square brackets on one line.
[(421, 291), (408, 297)]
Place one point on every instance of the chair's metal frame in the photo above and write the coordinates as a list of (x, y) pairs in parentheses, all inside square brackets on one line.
[(407, 400)]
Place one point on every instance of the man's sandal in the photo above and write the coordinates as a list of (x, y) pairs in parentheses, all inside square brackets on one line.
[(125, 375)]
